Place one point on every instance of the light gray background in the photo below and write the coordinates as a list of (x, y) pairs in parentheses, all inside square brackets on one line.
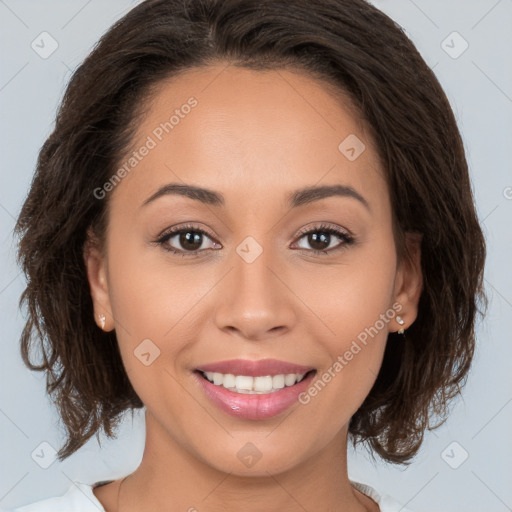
[(479, 86)]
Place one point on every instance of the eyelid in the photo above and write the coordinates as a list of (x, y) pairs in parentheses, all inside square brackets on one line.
[(173, 230), (326, 226)]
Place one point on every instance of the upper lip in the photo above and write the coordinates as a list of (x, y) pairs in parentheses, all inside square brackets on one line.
[(254, 368)]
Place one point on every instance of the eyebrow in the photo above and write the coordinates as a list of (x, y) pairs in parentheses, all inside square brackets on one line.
[(298, 198)]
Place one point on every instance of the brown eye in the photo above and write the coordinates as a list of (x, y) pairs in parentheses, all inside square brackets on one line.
[(320, 239), (186, 240)]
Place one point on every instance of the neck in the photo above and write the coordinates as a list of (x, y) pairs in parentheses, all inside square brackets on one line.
[(169, 474)]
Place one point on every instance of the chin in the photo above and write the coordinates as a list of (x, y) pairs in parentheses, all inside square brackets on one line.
[(254, 456)]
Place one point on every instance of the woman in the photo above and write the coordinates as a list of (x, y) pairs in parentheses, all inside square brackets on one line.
[(253, 219)]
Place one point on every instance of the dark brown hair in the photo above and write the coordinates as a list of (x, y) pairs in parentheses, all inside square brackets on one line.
[(348, 43)]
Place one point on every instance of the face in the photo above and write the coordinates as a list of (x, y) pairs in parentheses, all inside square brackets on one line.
[(255, 270)]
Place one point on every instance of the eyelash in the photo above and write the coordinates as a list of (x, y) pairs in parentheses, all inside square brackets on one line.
[(165, 237)]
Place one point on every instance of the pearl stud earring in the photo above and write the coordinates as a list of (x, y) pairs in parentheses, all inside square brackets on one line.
[(400, 320), (102, 321)]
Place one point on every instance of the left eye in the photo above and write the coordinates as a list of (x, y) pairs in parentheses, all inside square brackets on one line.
[(321, 235)]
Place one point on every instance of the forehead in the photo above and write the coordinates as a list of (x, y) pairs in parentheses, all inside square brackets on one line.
[(251, 132)]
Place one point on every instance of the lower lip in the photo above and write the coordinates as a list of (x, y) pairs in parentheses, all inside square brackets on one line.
[(257, 406)]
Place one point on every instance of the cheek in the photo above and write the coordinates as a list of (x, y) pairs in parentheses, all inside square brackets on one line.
[(149, 291), (355, 304), (153, 308), (149, 301), (351, 297), (159, 307)]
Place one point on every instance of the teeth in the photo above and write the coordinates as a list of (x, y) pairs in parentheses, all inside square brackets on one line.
[(253, 385), (289, 379)]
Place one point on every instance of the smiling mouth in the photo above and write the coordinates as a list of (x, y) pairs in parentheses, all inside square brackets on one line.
[(258, 385)]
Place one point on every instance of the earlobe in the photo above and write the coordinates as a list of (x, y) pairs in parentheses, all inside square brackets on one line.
[(95, 265), (409, 282)]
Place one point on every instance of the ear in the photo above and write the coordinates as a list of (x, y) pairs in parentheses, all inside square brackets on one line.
[(409, 281), (96, 267)]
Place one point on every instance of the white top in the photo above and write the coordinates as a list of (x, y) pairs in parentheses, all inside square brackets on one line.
[(80, 498)]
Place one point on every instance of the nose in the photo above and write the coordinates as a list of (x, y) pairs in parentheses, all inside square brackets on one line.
[(255, 302)]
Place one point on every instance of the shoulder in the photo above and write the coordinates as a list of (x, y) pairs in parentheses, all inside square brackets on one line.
[(78, 498), (386, 502)]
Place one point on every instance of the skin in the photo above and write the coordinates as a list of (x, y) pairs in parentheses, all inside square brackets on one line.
[(255, 136)]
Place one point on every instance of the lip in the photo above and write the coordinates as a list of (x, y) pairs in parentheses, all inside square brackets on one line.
[(254, 368), (257, 406)]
